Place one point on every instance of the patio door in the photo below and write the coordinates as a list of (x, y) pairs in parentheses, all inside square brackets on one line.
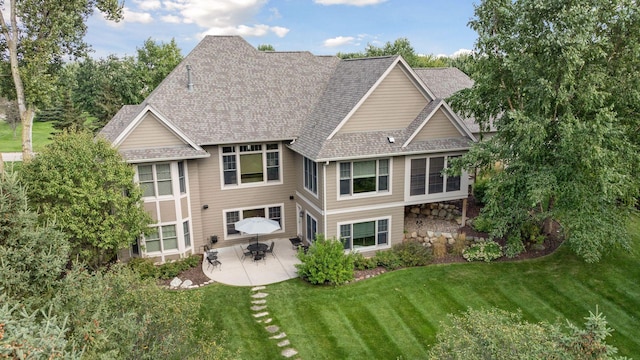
[(312, 228)]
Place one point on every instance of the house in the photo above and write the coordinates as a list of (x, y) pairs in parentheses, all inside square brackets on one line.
[(319, 144)]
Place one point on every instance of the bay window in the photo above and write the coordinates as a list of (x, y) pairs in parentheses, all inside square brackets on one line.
[(155, 179)]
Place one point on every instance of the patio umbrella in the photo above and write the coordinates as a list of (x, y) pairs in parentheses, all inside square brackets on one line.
[(257, 226)]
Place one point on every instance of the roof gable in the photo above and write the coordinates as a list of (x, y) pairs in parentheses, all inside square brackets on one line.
[(438, 122), (392, 102)]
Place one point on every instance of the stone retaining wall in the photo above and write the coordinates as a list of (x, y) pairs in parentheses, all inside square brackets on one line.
[(444, 211)]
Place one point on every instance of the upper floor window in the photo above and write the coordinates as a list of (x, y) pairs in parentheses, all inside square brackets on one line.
[(252, 163), (427, 177), (181, 179), (155, 179), (311, 175), (367, 176)]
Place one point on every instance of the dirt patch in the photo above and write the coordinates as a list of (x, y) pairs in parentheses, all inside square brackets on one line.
[(195, 274)]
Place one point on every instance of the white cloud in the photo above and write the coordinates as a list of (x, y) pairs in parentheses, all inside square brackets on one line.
[(136, 17), (220, 13), (338, 41), (171, 19), (275, 14), (244, 30), (461, 52), (148, 4), (349, 2)]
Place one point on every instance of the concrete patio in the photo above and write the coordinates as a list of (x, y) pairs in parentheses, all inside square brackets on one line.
[(238, 272)]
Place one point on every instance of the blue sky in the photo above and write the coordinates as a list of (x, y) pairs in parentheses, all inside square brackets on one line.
[(323, 27)]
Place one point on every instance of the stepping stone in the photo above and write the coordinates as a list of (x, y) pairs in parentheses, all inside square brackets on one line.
[(263, 301), (175, 282), (256, 288), (266, 321), (284, 343), (185, 284), (258, 308), (289, 352), (272, 328), (259, 295), (279, 336), (259, 315)]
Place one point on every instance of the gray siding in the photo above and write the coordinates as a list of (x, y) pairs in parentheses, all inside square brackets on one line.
[(197, 235), (438, 127), (394, 104), (150, 133)]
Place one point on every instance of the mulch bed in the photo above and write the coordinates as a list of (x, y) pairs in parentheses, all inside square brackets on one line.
[(197, 276)]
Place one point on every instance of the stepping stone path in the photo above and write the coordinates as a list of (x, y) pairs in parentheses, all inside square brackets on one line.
[(259, 306)]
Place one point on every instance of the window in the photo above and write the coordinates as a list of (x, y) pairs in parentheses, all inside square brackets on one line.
[(232, 217), (364, 177), (252, 163), (311, 175), (155, 179), (365, 234), (312, 228), (161, 238), (181, 179), (427, 177), (187, 234)]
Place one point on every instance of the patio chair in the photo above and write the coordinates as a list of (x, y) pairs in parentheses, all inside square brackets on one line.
[(213, 261), (259, 255), (207, 250), (245, 253), (270, 250)]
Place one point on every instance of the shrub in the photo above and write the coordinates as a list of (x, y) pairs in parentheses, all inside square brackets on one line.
[(483, 251), (513, 247), (362, 263), (326, 263), (440, 247), (480, 186), (412, 253), (144, 268), (483, 224), (388, 259)]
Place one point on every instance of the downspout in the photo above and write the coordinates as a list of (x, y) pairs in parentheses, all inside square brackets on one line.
[(324, 199)]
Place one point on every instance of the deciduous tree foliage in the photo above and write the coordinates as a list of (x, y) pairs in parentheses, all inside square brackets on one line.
[(400, 46), (34, 37), (561, 82), (84, 186), (497, 334)]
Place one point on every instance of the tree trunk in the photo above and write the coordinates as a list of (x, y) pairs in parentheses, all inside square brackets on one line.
[(27, 125), (1, 165)]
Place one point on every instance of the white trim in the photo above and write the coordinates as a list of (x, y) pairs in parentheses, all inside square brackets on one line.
[(324, 197), (309, 203), (163, 120), (237, 155), (416, 81), (374, 219), (265, 207), (369, 194), (166, 159), (409, 199), (363, 208)]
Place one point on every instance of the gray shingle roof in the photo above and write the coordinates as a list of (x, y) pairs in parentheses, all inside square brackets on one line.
[(163, 154), (241, 94), (349, 83), (120, 121)]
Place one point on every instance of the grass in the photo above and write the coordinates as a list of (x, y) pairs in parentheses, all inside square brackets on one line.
[(41, 134), (397, 315)]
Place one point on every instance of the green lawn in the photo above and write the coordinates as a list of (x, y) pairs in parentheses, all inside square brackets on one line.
[(41, 136), (397, 315)]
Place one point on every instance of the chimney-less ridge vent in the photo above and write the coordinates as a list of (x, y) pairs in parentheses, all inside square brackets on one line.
[(189, 82)]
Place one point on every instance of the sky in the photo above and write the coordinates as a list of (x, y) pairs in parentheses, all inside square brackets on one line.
[(323, 27)]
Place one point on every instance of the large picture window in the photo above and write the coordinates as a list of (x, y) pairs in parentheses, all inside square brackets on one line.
[(427, 177), (311, 175), (367, 176), (233, 216), (252, 163), (155, 179), (365, 234)]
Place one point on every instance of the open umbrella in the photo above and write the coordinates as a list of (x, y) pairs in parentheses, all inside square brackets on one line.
[(257, 225)]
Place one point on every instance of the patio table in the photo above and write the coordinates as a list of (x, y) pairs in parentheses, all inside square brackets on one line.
[(255, 247)]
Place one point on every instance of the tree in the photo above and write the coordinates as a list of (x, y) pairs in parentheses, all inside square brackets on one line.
[(155, 61), (266, 47), (402, 47), (560, 83), (84, 186), (35, 36), (498, 334)]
